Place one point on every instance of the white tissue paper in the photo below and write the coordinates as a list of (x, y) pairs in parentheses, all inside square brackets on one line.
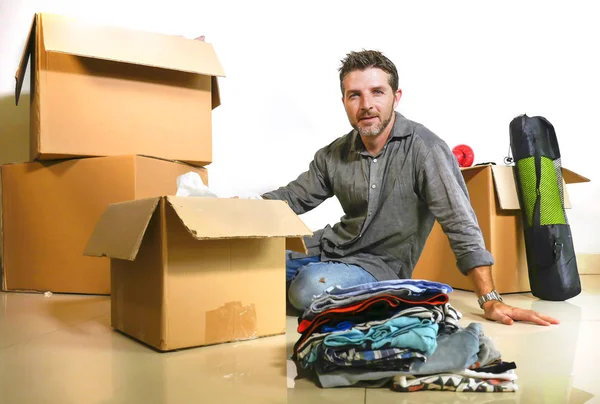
[(191, 184)]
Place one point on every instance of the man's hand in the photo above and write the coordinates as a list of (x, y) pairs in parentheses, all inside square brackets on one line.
[(503, 313)]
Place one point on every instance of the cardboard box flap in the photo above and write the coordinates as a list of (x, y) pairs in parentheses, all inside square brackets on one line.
[(296, 244), (68, 35), (572, 177), (120, 230), (215, 93), (506, 188), (475, 168), (27, 51), (224, 218)]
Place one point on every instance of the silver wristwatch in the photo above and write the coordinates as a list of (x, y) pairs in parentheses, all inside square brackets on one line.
[(493, 295)]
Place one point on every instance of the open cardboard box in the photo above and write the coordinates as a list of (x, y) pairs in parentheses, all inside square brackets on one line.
[(49, 210), (102, 91), (190, 271), (495, 200)]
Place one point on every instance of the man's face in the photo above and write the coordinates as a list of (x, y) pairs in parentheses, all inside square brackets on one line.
[(369, 100)]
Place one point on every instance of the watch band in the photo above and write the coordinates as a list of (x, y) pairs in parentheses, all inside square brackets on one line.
[(493, 295)]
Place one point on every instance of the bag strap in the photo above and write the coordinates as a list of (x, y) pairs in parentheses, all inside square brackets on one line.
[(538, 179)]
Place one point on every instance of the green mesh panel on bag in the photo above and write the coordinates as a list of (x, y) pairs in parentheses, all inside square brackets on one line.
[(551, 203)]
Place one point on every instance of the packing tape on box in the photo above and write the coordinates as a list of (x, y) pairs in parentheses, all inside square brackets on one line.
[(231, 322)]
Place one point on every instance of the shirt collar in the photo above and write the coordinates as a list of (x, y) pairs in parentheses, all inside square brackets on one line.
[(401, 129)]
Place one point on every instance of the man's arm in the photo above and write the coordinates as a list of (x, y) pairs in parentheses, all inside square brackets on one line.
[(309, 190), (481, 277), (442, 186)]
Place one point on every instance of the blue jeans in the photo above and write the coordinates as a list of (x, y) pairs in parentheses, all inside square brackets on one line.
[(310, 277)]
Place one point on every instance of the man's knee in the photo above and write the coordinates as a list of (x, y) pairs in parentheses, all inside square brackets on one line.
[(303, 289)]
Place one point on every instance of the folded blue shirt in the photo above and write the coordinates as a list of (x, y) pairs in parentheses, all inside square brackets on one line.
[(414, 285), (400, 332)]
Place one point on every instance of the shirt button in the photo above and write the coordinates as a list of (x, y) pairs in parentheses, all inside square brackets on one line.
[(369, 213), (374, 186), (374, 160)]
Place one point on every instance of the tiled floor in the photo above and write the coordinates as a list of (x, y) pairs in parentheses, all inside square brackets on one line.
[(60, 349)]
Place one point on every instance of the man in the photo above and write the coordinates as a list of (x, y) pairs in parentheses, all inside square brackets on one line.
[(393, 177)]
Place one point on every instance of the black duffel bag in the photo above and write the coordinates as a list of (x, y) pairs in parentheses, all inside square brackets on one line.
[(551, 262)]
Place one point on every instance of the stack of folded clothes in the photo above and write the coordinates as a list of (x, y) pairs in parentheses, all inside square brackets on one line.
[(401, 333)]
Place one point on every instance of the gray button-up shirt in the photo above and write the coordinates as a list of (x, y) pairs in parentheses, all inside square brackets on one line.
[(390, 202)]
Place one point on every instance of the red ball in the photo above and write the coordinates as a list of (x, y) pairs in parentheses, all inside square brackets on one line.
[(464, 155)]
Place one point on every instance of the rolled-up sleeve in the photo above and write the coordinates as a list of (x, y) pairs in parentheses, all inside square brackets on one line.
[(309, 190), (443, 188)]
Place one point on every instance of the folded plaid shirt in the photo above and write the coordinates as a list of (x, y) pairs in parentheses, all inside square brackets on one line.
[(363, 358), (396, 359)]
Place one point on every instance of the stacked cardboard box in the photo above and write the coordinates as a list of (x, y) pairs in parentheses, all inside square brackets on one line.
[(116, 115)]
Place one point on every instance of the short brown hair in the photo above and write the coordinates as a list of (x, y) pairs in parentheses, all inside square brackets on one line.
[(365, 59)]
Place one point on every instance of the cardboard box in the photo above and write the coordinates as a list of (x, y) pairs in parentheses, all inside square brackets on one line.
[(50, 209), (495, 200), (190, 271), (105, 91)]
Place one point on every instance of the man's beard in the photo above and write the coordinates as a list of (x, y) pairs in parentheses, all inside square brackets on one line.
[(374, 130)]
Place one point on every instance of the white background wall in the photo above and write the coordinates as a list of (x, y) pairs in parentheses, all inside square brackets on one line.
[(466, 68)]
